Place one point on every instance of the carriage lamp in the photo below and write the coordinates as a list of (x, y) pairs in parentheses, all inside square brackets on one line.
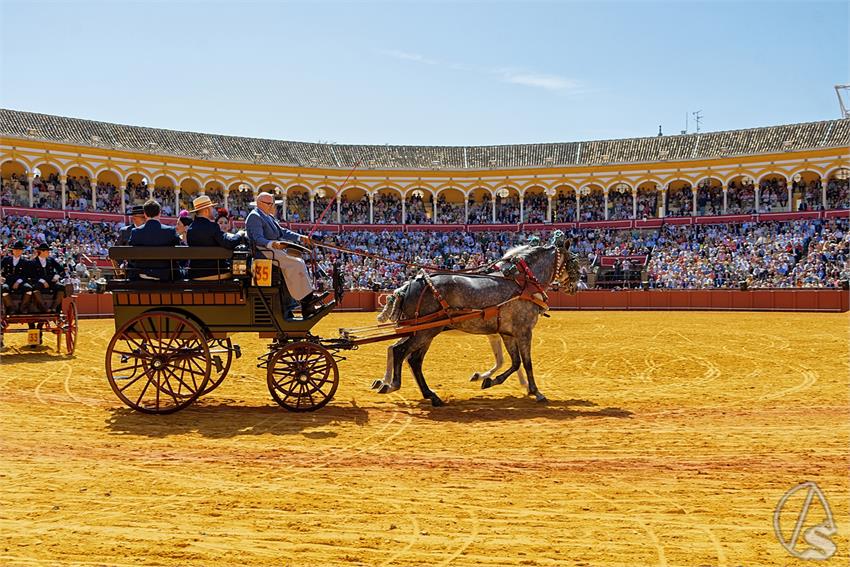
[(240, 263)]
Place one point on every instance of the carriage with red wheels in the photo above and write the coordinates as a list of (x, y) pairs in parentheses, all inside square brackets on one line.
[(59, 320), (173, 339)]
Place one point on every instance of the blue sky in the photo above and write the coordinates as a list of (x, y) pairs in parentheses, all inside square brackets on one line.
[(426, 72)]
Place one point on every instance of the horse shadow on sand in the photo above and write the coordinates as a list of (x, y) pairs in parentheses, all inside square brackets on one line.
[(515, 408), (226, 419)]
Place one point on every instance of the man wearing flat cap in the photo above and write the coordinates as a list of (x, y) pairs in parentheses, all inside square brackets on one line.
[(15, 275), (204, 231), (46, 278), (270, 239)]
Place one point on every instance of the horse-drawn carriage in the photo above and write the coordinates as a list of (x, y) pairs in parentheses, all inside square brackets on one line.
[(172, 341), (59, 320)]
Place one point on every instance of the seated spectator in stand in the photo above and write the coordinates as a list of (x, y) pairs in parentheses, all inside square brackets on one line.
[(205, 232), (152, 233)]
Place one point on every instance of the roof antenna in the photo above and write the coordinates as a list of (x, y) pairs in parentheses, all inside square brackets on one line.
[(659, 131), (698, 119), (845, 112)]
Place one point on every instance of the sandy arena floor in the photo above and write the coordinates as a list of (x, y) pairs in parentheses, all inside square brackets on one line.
[(668, 440)]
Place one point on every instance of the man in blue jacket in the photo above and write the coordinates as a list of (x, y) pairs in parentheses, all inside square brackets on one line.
[(204, 231), (269, 238), (152, 233)]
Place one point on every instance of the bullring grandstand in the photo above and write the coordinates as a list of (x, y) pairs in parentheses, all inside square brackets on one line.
[(711, 210)]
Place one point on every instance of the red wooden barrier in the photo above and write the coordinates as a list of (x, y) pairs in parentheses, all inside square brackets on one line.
[(825, 300)]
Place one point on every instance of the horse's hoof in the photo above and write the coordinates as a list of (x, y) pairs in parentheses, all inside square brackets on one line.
[(436, 401), (387, 388), (475, 377), (377, 384), (540, 398), (486, 383)]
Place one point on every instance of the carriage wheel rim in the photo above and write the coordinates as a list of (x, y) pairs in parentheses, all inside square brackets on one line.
[(167, 357), (302, 376)]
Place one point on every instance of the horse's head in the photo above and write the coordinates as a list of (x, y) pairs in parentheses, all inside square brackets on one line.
[(567, 268)]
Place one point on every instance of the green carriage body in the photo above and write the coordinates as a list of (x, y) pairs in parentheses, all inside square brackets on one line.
[(172, 338)]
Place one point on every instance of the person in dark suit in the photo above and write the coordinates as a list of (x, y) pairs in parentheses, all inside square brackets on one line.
[(204, 231), (15, 272), (137, 219), (152, 233), (45, 276)]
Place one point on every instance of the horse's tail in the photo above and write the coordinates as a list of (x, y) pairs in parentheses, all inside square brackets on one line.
[(392, 310)]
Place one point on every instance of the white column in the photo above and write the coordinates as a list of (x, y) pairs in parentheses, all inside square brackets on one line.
[(694, 191), (605, 196), (494, 209), (226, 193), (757, 189), (122, 195), (285, 208), (403, 211), (435, 212), (823, 184), (578, 206), (725, 198), (93, 194), (662, 210), (371, 208), (150, 191), (634, 203), (339, 209), (176, 201), (465, 209), (549, 209), (522, 208), (790, 188), (312, 203), (63, 183)]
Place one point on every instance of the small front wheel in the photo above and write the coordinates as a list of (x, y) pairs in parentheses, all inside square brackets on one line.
[(302, 376)]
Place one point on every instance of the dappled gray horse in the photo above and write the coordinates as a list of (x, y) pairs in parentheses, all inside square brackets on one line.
[(524, 268)]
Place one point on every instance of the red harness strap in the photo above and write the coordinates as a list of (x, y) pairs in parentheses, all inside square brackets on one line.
[(529, 277)]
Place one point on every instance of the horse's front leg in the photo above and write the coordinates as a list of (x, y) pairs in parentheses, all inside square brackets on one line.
[(513, 351), (525, 352), (496, 345), (396, 353)]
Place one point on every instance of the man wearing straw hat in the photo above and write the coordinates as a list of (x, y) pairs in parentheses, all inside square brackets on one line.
[(270, 239), (204, 231)]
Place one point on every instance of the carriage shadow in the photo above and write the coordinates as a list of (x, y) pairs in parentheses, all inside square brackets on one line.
[(515, 408), (225, 420)]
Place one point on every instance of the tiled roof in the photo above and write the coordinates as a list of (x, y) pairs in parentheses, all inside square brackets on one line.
[(790, 137)]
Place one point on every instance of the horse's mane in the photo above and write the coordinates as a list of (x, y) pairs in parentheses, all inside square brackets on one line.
[(523, 251)]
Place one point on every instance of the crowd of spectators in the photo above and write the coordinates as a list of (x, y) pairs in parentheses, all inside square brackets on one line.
[(47, 192), (480, 212), (620, 205), (564, 208), (387, 208), (773, 195), (535, 207), (507, 209), (592, 206), (710, 200), (838, 193), (415, 206), (449, 212), (772, 254), (354, 211), (680, 202), (298, 206), (136, 193), (647, 204)]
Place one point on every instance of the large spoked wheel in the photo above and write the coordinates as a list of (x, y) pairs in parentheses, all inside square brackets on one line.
[(302, 376), (158, 362), (221, 351), (70, 314)]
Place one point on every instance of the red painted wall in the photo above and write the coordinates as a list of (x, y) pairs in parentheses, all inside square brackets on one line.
[(827, 300)]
